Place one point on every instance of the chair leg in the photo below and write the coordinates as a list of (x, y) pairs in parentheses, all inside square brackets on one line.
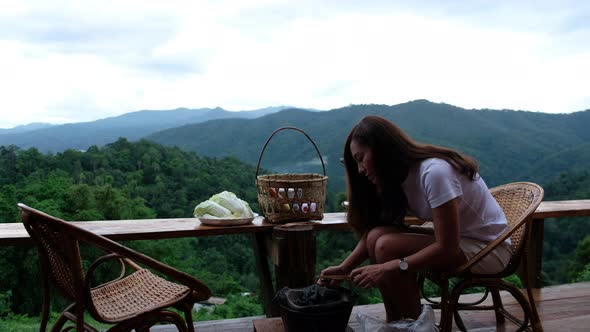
[(59, 323), (62, 319), (186, 307), (144, 322), (535, 320), (459, 321), (446, 312), (79, 324), (498, 285), (524, 304), (459, 305), (176, 319), (498, 306), (188, 318), (45, 309), (454, 305)]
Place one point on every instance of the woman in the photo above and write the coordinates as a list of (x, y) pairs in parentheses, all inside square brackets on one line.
[(388, 174)]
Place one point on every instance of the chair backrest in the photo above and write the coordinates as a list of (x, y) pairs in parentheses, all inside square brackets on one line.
[(518, 200), (58, 249)]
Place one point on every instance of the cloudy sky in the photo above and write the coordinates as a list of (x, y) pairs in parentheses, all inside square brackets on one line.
[(72, 61)]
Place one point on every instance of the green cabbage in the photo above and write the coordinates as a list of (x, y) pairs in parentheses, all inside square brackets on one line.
[(229, 201), (224, 205), (213, 209)]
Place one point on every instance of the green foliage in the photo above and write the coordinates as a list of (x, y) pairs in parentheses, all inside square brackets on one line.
[(583, 251), (25, 323), (566, 243), (235, 306), (123, 180), (5, 303), (584, 275), (19, 323), (581, 269)]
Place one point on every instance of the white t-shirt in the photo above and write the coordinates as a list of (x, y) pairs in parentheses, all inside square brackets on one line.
[(435, 182)]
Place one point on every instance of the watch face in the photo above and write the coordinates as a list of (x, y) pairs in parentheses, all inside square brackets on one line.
[(403, 265)]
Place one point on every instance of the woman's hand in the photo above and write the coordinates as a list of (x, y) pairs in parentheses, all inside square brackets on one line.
[(332, 270), (370, 276)]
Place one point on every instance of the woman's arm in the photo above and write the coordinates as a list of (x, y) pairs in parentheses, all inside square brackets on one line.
[(358, 255), (444, 252), (422, 250)]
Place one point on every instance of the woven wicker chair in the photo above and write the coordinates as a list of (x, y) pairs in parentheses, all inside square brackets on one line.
[(518, 201), (133, 301)]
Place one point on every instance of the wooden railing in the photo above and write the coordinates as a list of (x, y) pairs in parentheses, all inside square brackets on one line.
[(291, 247)]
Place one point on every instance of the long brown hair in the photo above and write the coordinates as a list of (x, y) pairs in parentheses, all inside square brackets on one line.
[(394, 153)]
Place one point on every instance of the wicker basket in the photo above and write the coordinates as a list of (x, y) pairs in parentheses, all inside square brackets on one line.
[(291, 197)]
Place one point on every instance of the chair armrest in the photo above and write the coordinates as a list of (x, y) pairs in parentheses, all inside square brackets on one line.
[(99, 261), (127, 253), (490, 247), (122, 261)]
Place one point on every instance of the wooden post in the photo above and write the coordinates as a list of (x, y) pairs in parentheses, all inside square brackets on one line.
[(536, 253), (294, 255), (268, 292)]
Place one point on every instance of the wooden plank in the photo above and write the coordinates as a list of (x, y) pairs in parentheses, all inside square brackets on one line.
[(225, 325), (562, 308), (561, 209), (268, 325), (549, 293), (143, 229), (276, 325), (153, 229), (570, 324)]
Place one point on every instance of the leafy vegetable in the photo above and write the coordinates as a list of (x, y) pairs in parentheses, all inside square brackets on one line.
[(224, 205), (212, 208)]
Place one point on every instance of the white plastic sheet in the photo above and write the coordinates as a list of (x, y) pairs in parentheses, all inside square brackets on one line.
[(425, 323)]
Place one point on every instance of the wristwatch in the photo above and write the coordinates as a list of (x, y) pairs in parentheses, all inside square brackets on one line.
[(403, 265)]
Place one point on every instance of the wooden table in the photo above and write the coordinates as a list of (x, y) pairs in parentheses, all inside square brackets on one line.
[(153, 229)]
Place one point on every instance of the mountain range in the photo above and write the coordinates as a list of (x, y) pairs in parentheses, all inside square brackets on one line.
[(133, 126), (510, 145), (25, 128)]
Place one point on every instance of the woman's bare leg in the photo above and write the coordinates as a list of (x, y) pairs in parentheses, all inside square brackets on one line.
[(400, 293)]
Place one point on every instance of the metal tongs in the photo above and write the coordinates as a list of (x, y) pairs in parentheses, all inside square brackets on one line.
[(339, 277)]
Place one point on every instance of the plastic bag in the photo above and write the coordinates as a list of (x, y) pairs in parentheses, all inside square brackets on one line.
[(425, 323)]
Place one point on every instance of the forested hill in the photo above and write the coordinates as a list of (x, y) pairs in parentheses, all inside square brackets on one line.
[(133, 126), (510, 145), (124, 180), (566, 244)]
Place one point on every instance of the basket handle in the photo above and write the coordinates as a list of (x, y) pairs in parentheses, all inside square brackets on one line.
[(291, 128)]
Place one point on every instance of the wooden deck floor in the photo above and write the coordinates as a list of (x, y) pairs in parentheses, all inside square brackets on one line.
[(562, 308)]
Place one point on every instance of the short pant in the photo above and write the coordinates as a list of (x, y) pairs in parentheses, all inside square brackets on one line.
[(493, 262)]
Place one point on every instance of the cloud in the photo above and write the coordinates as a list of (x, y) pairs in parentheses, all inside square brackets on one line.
[(78, 61), (87, 27), (134, 36)]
